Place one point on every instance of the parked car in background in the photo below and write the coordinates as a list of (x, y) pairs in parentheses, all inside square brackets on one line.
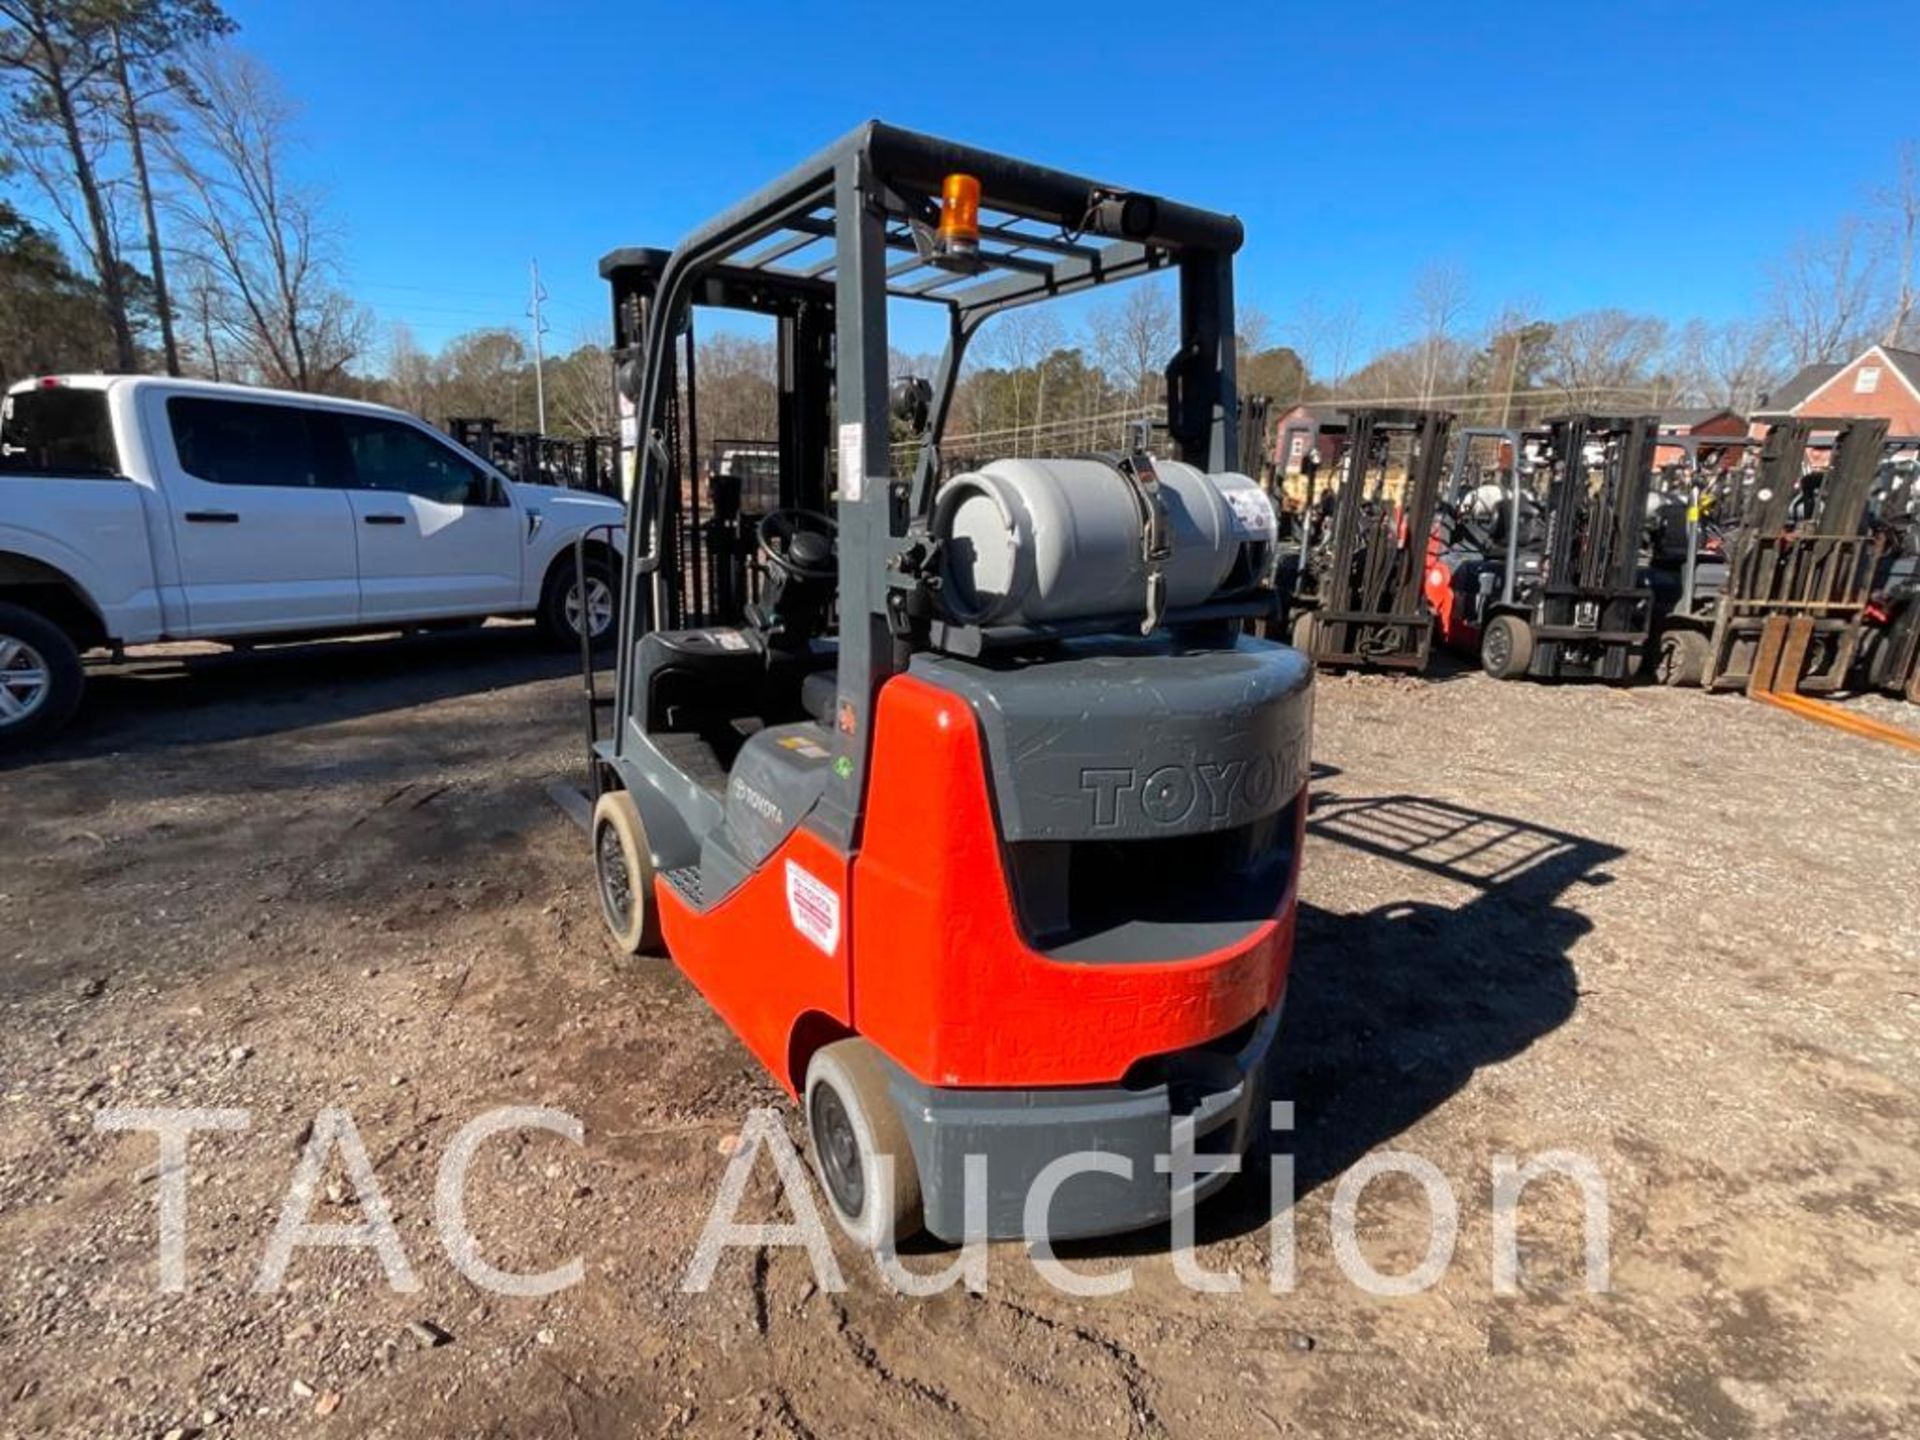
[(136, 509)]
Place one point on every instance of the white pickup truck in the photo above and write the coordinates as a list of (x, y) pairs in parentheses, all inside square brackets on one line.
[(135, 509)]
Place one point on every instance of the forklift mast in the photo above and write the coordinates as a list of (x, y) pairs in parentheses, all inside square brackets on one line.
[(1587, 609), (1594, 523), (1800, 569), (1363, 589)]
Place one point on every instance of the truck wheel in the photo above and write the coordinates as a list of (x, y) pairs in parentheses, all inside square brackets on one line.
[(1506, 647), (1682, 659), (623, 874), (562, 610), (852, 1123), (40, 676)]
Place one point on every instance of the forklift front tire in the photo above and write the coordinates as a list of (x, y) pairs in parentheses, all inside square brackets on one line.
[(1506, 647), (1683, 658), (623, 874), (852, 1123)]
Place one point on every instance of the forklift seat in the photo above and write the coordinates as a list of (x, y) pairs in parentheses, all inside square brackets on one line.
[(692, 674), (817, 694), (694, 678)]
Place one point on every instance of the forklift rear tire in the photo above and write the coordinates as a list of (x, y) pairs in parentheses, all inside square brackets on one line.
[(852, 1123), (623, 874), (1683, 658), (1506, 647)]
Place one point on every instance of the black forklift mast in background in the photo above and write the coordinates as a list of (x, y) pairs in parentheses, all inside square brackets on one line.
[(1586, 611), (1358, 595), (584, 462), (1800, 568), (1255, 415), (709, 572)]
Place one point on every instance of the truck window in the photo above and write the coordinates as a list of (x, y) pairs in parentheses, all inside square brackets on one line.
[(243, 442), (391, 456), (58, 430)]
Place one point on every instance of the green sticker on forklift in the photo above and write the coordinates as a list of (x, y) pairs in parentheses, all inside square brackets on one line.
[(843, 767)]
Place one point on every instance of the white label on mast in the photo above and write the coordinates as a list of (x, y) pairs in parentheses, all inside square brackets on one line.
[(853, 460)]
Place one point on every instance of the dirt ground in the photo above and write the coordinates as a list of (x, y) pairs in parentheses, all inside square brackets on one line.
[(1675, 933)]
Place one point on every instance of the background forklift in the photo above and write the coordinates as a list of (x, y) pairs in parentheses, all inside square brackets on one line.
[(1487, 521), (1692, 521), (980, 852), (1890, 637), (1355, 592), (1800, 567), (1584, 610)]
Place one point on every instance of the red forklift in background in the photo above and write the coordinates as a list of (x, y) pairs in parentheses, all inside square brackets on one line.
[(980, 819), (1554, 587), (1486, 520)]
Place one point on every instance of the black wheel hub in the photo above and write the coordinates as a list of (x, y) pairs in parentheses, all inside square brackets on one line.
[(839, 1150), (616, 887)]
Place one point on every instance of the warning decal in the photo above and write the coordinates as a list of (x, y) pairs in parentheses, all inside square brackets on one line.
[(813, 907)]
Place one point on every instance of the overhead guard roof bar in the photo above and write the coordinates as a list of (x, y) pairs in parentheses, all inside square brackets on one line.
[(782, 220)]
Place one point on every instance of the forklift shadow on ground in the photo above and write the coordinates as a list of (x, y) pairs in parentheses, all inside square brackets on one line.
[(1389, 1013)]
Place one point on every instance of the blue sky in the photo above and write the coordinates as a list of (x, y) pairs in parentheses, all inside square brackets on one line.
[(1650, 156)]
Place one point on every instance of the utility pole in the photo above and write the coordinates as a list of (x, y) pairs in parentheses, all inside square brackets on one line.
[(539, 360)]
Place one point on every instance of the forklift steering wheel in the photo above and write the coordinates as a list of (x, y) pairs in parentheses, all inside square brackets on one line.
[(799, 544)]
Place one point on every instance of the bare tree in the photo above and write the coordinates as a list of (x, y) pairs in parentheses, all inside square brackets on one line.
[(145, 38), (1253, 332), (413, 376), (1328, 339), (580, 387), (1898, 218), (56, 57), (1134, 339), (1019, 341), (1730, 364), (1509, 359), (1823, 294), (739, 387), (255, 230), (1602, 356), (1436, 307)]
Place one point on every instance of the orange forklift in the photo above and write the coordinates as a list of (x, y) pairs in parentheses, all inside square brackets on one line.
[(972, 808)]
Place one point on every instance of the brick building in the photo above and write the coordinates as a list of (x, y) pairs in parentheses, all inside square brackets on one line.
[(1881, 381)]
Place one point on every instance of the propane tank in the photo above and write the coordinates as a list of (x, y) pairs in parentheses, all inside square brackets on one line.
[(1032, 542)]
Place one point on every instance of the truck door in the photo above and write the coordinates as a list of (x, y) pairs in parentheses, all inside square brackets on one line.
[(438, 534), (262, 526)]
